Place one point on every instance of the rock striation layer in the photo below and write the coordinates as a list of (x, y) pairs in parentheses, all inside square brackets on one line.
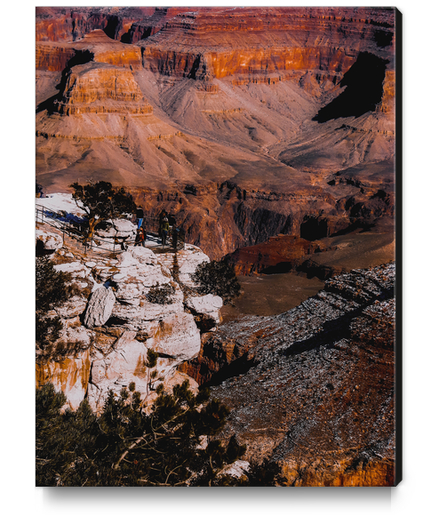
[(101, 89), (236, 120), (253, 41)]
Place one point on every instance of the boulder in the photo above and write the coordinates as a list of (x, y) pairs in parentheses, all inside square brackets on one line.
[(177, 336), (99, 307), (208, 305)]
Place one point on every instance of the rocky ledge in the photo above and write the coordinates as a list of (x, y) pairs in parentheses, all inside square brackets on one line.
[(124, 304), (313, 388)]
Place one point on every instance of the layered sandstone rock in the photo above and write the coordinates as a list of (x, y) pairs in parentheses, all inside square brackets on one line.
[(53, 57), (68, 24), (95, 46), (101, 89), (313, 388), (247, 41)]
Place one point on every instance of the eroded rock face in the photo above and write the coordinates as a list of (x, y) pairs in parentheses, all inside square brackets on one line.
[(278, 254), (101, 89), (260, 41), (68, 24), (313, 388), (99, 307), (111, 321), (224, 132)]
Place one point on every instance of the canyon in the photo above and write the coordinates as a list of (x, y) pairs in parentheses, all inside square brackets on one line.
[(269, 133), (238, 121)]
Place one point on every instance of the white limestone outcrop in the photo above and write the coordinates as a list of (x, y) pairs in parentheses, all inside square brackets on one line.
[(119, 316), (118, 228), (208, 305)]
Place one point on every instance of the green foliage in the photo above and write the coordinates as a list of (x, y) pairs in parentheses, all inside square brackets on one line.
[(47, 329), (151, 358), (52, 290), (124, 446), (102, 202), (69, 434), (51, 286), (160, 294), (217, 277)]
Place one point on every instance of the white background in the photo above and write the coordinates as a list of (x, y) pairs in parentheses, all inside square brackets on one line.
[(17, 305)]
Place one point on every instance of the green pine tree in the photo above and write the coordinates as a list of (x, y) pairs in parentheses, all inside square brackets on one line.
[(124, 446)]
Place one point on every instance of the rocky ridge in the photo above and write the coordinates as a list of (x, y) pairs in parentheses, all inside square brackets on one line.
[(313, 388), (112, 321)]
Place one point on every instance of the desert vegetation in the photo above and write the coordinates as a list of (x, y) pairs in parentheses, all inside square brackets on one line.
[(102, 202), (218, 278), (174, 445), (52, 290)]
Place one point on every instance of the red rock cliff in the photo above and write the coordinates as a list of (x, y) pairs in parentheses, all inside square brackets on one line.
[(95, 46), (227, 42)]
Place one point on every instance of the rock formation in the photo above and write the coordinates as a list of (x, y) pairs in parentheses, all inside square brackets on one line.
[(238, 116), (112, 320), (99, 307), (270, 134), (313, 388)]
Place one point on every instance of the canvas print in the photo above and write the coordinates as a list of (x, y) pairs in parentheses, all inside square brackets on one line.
[(217, 190)]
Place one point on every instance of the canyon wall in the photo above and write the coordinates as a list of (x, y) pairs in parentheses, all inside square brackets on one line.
[(226, 42), (71, 23), (216, 115)]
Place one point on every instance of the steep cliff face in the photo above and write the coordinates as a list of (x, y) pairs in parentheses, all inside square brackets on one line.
[(95, 46), (68, 24), (224, 42), (313, 388), (101, 89), (117, 315)]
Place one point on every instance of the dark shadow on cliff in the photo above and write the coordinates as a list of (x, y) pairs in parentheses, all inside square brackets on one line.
[(364, 89), (238, 367), (80, 57), (333, 330)]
